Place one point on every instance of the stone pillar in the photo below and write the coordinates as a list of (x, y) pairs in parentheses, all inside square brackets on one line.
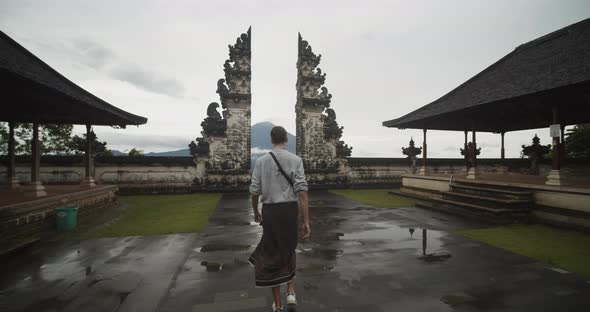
[(89, 163), (473, 171), (423, 170), (317, 131), (554, 177), (502, 153), (223, 153), (11, 173), (36, 188)]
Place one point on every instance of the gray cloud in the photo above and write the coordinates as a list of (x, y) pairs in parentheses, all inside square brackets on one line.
[(101, 58), (148, 142), (93, 54), (147, 80), (384, 59)]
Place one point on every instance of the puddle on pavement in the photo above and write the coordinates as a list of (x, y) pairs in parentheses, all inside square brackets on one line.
[(314, 268), (480, 298), (400, 237), (324, 253), (216, 266), (223, 247), (327, 237)]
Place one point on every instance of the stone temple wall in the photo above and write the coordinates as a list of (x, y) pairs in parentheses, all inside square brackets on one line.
[(177, 174), (317, 132), (222, 153)]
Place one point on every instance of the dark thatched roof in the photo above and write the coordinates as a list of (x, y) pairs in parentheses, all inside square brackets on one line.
[(32, 91), (520, 90)]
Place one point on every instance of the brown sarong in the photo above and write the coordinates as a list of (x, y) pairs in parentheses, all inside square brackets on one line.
[(274, 257)]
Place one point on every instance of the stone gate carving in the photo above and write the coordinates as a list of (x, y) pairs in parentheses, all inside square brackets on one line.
[(222, 153), (318, 132)]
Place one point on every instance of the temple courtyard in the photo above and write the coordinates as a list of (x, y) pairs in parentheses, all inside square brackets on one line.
[(360, 258)]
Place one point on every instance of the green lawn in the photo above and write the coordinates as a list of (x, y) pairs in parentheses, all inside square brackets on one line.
[(379, 198), (158, 214), (567, 249)]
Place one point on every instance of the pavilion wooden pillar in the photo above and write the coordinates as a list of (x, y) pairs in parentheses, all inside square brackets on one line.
[(554, 176), (11, 177), (502, 151), (562, 143), (466, 154), (423, 170), (473, 171), (88, 178), (36, 188)]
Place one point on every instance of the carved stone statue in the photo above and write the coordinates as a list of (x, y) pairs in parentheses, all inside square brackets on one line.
[(535, 152), (318, 74), (222, 89), (324, 95), (412, 151), (470, 148), (343, 150), (201, 148), (227, 66), (214, 124), (331, 129), (212, 111)]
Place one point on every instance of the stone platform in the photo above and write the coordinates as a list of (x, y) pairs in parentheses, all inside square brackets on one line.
[(508, 196), (24, 219), (359, 258)]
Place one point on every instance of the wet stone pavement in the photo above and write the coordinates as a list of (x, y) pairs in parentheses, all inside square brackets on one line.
[(358, 259)]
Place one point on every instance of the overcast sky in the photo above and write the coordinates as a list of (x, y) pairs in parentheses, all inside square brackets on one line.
[(383, 59)]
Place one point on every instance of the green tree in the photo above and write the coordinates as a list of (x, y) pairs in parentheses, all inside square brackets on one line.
[(135, 152), (78, 145), (577, 141), (55, 139)]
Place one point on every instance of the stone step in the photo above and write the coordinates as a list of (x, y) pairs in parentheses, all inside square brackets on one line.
[(490, 199), (491, 192), (507, 190), (475, 215), (479, 207)]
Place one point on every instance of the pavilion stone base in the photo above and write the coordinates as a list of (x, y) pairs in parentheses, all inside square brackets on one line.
[(13, 184), (473, 173), (422, 171), (554, 178), (33, 220), (35, 189), (88, 182)]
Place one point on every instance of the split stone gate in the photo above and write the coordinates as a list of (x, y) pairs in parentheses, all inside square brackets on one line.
[(222, 152)]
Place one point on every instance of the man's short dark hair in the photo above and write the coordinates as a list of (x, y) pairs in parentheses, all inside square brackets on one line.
[(278, 135)]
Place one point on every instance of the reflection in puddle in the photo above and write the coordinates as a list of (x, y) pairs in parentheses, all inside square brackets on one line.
[(223, 247), (214, 266), (324, 253), (315, 268), (398, 236)]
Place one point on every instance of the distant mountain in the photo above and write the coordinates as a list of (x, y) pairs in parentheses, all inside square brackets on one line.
[(261, 137), (180, 152), (261, 141), (118, 153), (260, 144)]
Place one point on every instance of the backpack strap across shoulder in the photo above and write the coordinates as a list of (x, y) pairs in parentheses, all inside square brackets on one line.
[(281, 169)]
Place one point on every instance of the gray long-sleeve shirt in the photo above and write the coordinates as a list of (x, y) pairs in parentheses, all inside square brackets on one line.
[(271, 185)]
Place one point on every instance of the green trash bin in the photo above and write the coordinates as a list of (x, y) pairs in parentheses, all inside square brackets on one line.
[(66, 218)]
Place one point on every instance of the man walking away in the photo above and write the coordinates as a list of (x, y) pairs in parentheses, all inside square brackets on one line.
[(278, 179)]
